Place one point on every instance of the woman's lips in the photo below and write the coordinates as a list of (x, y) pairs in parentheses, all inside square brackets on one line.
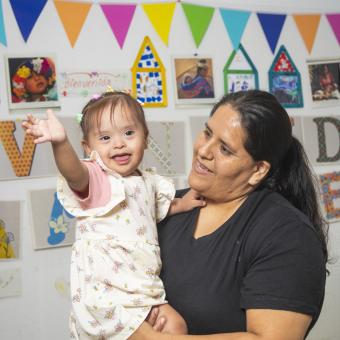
[(201, 169)]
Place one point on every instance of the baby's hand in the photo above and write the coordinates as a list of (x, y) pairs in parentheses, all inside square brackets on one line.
[(45, 130), (188, 202)]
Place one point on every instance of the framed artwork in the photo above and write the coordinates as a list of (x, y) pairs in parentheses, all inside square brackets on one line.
[(240, 74), (285, 80), (194, 80), (31, 81), (9, 230), (149, 77), (52, 225), (324, 79)]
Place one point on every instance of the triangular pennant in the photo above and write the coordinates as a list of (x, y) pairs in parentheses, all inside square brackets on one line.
[(334, 21), (160, 15), (272, 25), (26, 14), (235, 23), (199, 18), (119, 18), (72, 15), (308, 25), (3, 39)]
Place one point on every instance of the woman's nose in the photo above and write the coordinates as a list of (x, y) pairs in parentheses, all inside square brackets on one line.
[(206, 150)]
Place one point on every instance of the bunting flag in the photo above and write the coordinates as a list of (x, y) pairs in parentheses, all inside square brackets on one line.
[(26, 13), (2, 28), (334, 21), (119, 18), (198, 18), (72, 16), (272, 26), (308, 26), (160, 15), (235, 23)]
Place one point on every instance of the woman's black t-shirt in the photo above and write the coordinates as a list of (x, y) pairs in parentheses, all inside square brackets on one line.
[(266, 256)]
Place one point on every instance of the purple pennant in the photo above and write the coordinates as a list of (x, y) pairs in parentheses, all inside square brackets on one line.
[(119, 18), (26, 14), (272, 25), (334, 21)]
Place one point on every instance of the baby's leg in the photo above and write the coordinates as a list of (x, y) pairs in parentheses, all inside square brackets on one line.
[(173, 321)]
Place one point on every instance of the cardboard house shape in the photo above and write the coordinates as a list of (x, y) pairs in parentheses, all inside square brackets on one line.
[(285, 80), (148, 77), (240, 74)]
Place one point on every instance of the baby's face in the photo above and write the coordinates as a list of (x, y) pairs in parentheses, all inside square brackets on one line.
[(119, 141), (36, 84)]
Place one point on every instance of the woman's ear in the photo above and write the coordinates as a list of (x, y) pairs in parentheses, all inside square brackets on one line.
[(262, 169), (86, 147)]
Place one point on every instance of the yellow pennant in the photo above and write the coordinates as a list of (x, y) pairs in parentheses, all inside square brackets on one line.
[(72, 15), (21, 162), (160, 15)]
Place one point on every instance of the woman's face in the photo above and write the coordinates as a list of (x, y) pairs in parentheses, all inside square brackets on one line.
[(222, 170), (36, 84)]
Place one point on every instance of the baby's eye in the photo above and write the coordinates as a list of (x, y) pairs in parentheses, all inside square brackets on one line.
[(129, 133), (104, 138)]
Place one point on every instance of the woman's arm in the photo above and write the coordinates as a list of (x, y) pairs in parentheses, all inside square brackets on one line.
[(67, 161), (262, 324)]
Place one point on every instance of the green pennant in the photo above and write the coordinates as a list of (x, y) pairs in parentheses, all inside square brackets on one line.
[(199, 18)]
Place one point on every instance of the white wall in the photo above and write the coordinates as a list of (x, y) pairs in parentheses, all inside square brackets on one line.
[(41, 312)]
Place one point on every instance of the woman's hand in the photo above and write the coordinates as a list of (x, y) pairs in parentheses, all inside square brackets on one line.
[(45, 130)]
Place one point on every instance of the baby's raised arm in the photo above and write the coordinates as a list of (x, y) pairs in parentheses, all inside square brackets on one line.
[(67, 161), (188, 202)]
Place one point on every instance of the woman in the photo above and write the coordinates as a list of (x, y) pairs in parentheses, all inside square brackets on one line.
[(251, 264)]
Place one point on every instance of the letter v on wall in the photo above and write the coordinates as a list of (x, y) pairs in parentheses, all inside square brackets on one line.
[(21, 161)]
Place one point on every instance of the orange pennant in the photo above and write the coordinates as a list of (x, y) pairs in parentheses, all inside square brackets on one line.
[(21, 162), (308, 25), (72, 15)]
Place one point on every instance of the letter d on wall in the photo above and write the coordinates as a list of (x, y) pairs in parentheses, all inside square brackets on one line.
[(321, 126)]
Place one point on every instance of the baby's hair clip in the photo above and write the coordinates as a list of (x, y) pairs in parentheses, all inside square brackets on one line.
[(79, 117), (96, 96), (109, 89)]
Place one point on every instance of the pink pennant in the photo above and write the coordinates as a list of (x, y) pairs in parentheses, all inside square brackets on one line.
[(119, 18), (334, 21)]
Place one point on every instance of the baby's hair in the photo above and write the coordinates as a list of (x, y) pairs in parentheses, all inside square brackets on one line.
[(93, 110)]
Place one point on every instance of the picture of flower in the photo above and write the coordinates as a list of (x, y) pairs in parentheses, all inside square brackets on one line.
[(32, 82)]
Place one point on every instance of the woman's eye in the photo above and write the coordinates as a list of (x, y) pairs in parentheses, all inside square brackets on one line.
[(206, 133), (225, 150)]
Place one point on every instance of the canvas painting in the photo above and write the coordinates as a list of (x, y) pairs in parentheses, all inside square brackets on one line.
[(9, 230), (194, 80), (324, 78), (166, 151), (31, 81), (52, 225)]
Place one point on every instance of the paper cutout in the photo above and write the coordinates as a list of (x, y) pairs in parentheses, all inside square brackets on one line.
[(334, 21), (320, 122), (308, 25), (85, 84), (26, 14), (9, 229), (240, 74), (160, 16), (285, 80), (52, 225), (235, 23), (330, 196), (119, 17), (62, 287), (272, 26), (10, 282), (3, 39), (148, 77), (21, 162), (72, 16), (199, 18)]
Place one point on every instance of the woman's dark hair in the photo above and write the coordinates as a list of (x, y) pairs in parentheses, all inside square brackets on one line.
[(269, 138), (93, 110)]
